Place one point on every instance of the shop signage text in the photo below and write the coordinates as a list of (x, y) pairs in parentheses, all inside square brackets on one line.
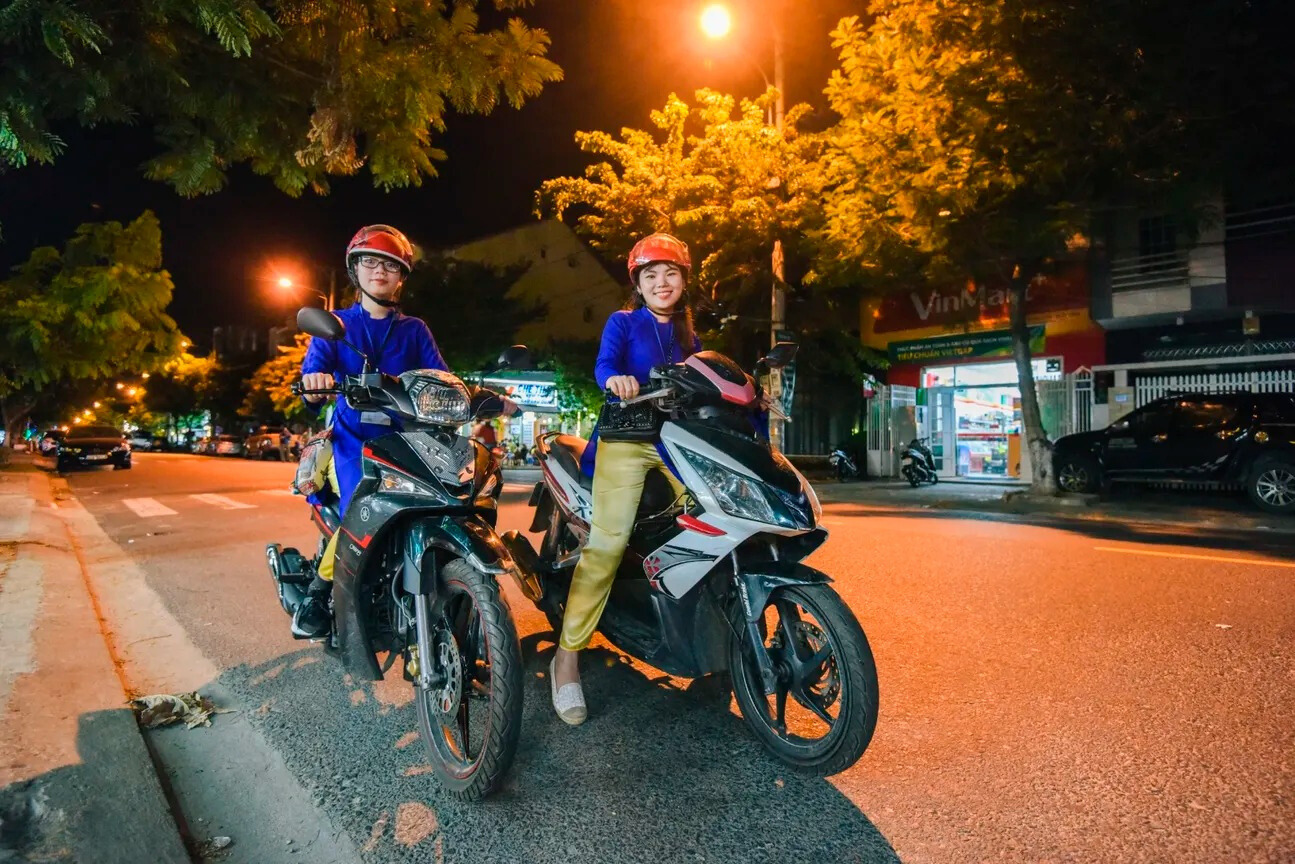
[(991, 343), (979, 304)]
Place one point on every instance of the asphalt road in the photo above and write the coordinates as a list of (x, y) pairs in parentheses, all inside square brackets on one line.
[(1048, 694)]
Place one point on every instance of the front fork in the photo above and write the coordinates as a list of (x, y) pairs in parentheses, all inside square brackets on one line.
[(423, 632), (768, 677)]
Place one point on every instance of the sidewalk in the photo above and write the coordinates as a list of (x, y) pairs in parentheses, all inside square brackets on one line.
[(1170, 509), (77, 783)]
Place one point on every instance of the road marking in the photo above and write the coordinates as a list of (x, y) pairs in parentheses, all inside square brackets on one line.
[(276, 492), (1223, 558), (223, 502), (147, 508)]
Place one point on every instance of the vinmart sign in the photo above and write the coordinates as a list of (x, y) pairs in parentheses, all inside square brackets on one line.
[(980, 305)]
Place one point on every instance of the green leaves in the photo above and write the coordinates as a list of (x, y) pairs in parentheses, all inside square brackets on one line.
[(300, 90)]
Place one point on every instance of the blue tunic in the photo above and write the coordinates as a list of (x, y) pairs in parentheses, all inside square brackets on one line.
[(633, 342), (396, 344)]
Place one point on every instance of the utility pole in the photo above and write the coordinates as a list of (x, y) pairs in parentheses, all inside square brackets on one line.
[(778, 299)]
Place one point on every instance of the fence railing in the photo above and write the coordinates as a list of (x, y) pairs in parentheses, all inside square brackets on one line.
[(1148, 388)]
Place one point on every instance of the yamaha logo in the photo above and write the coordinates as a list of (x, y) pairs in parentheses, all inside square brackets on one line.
[(364, 513)]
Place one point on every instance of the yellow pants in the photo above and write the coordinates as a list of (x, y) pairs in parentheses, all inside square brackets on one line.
[(619, 474), (330, 551)]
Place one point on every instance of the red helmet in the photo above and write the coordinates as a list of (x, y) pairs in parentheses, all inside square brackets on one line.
[(659, 247), (382, 241)]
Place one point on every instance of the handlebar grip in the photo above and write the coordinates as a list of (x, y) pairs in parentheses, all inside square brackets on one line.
[(298, 390)]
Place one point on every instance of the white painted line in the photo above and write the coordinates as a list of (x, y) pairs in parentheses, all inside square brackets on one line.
[(223, 502), (276, 492), (1223, 558), (147, 508)]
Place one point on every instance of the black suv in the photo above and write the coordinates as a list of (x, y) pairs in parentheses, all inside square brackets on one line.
[(1245, 438)]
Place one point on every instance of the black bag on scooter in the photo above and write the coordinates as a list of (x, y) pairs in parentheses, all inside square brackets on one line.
[(620, 422)]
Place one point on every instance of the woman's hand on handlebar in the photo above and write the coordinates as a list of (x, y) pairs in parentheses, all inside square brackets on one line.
[(316, 381), (624, 386)]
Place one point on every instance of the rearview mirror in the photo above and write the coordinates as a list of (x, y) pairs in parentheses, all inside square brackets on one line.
[(321, 323), (515, 357), (781, 354)]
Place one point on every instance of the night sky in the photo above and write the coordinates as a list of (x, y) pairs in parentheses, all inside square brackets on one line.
[(621, 59)]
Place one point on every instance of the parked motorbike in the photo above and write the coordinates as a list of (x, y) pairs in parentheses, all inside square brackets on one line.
[(417, 569), (712, 581), (843, 464), (917, 463)]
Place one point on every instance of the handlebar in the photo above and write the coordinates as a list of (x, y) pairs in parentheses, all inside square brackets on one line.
[(298, 390)]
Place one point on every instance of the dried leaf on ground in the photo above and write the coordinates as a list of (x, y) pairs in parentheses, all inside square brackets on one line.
[(163, 709)]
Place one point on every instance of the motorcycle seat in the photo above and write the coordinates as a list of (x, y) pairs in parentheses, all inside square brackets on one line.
[(567, 450)]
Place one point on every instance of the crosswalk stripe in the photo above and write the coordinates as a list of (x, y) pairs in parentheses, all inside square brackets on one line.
[(223, 502), (276, 492), (147, 508)]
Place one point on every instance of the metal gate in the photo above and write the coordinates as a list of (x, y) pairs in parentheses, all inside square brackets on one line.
[(1066, 405), (891, 416)]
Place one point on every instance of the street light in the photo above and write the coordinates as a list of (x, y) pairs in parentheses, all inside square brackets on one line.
[(716, 23), (287, 283)]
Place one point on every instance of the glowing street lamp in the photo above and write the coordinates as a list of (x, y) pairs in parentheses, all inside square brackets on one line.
[(120, 386), (285, 282), (96, 404), (716, 22)]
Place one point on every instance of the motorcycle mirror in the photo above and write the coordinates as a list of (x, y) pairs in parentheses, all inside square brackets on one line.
[(781, 354), (515, 357), (321, 323)]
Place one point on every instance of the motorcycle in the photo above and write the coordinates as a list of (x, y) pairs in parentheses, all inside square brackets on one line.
[(917, 463), (417, 569), (843, 464), (712, 581)]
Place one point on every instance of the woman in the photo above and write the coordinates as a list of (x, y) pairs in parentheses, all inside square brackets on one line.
[(378, 260), (654, 329)]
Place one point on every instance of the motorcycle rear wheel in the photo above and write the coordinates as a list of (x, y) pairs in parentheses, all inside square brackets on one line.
[(822, 660), (472, 745)]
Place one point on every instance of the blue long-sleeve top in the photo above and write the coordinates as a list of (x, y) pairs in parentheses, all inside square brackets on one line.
[(632, 343), (396, 344)]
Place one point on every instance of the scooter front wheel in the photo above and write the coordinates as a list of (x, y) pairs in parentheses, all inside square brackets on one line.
[(823, 711), (471, 720)]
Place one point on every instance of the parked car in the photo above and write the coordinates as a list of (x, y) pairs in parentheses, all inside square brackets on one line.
[(227, 445), (264, 443), (1235, 438), (88, 446)]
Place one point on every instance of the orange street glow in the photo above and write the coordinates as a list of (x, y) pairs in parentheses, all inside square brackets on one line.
[(716, 21)]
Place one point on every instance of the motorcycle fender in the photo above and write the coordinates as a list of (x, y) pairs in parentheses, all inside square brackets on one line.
[(756, 582), (470, 539), (542, 501)]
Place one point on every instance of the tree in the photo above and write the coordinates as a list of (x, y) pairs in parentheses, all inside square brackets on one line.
[(94, 311), (269, 392), (572, 364), (978, 141), (719, 177), (468, 308), (297, 89), (183, 390)]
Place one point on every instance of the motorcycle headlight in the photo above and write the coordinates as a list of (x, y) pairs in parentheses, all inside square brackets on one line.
[(737, 494), (438, 397)]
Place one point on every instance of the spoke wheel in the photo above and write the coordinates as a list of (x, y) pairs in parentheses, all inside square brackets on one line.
[(470, 724), (823, 711)]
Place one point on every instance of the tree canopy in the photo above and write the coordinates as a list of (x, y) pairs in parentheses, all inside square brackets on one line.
[(297, 89), (92, 311), (269, 393)]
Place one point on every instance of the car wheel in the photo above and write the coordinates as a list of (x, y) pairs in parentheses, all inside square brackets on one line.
[(1272, 484), (1078, 474), (122, 466)]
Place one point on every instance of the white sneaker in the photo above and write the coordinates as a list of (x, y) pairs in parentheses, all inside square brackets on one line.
[(569, 702)]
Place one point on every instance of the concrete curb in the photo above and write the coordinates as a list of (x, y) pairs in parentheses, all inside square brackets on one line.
[(80, 784)]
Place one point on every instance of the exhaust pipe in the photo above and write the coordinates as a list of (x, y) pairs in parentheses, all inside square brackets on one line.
[(527, 562)]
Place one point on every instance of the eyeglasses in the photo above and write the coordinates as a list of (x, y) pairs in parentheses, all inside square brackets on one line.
[(371, 262)]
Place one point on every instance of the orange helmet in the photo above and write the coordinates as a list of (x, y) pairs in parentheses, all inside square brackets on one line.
[(659, 247), (384, 242)]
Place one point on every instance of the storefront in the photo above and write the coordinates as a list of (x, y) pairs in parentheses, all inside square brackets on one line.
[(954, 351), (536, 394)]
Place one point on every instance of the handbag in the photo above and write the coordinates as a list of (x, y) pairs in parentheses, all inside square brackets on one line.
[(312, 469), (638, 422)]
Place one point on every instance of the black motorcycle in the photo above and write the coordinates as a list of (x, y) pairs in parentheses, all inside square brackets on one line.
[(843, 464), (917, 463), (417, 568)]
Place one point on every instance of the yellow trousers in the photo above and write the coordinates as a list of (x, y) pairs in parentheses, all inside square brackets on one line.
[(619, 474), (330, 551)]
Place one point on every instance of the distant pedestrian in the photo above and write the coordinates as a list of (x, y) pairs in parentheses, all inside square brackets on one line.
[(285, 444)]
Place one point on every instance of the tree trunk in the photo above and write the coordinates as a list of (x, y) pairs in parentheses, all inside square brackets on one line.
[(1036, 439), (15, 413)]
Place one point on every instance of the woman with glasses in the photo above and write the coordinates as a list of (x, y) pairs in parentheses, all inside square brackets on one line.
[(378, 260)]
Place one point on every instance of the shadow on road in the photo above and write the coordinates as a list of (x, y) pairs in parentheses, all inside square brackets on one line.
[(1246, 542), (657, 774), (107, 809)]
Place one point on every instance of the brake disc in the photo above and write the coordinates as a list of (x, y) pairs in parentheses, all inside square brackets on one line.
[(447, 659), (812, 638)]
